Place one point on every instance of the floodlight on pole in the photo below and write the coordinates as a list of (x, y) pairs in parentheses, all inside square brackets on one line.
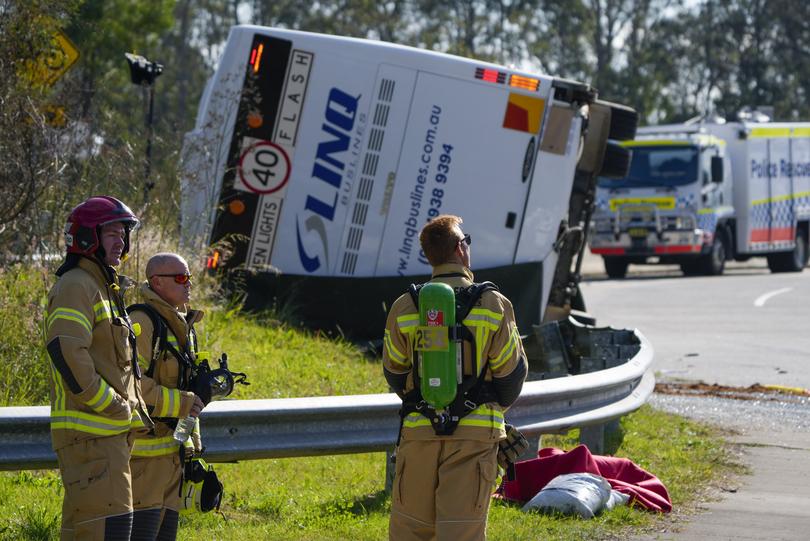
[(143, 73)]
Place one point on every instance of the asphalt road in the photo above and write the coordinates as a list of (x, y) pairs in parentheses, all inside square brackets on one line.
[(747, 326)]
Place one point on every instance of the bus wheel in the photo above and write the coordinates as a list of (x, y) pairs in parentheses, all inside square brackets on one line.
[(616, 267), (794, 260)]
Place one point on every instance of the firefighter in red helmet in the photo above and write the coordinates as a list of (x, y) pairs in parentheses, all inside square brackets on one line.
[(96, 407)]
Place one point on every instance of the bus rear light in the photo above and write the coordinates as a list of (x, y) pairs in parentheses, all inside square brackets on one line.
[(236, 207), (490, 75), (527, 83), (213, 261), (256, 57)]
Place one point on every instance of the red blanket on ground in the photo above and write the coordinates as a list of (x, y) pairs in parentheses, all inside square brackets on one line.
[(644, 489)]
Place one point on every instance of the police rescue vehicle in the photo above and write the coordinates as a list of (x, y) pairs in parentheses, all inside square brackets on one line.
[(704, 193)]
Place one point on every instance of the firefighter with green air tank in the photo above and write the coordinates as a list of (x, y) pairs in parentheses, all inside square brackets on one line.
[(453, 353)]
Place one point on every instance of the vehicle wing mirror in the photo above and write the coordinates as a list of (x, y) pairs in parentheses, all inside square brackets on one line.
[(717, 169)]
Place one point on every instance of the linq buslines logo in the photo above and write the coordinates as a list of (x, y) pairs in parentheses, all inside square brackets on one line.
[(435, 318)]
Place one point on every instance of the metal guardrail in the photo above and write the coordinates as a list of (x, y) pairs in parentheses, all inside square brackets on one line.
[(294, 427)]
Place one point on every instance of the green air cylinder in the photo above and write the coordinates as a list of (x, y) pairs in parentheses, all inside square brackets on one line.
[(438, 370)]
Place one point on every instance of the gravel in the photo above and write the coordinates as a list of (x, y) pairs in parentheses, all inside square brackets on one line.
[(761, 412)]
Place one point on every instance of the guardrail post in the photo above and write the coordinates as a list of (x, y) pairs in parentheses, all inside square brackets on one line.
[(595, 436)]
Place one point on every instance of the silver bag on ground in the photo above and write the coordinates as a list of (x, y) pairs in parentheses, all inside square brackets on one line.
[(582, 494)]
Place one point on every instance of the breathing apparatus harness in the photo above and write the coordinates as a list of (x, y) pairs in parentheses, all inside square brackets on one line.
[(472, 390), (198, 378), (200, 488)]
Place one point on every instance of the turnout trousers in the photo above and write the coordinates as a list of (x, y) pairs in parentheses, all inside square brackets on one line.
[(156, 496), (98, 490), (442, 490)]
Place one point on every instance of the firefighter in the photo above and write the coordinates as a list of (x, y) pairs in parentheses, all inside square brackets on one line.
[(167, 351), (96, 407), (446, 474)]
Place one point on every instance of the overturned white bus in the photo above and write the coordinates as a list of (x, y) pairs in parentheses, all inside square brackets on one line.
[(316, 159)]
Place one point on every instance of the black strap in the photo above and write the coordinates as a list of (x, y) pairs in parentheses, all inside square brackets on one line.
[(160, 344), (473, 389), (159, 333)]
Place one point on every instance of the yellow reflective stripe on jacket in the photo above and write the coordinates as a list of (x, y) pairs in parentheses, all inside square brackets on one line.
[(507, 351), (482, 416), (68, 314), (102, 398), (408, 323), (148, 447), (170, 403), (105, 310), (393, 353), (58, 388), (88, 422), (483, 317), (482, 323), (136, 421), (171, 339)]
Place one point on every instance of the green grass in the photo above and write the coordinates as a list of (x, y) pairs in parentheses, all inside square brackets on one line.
[(341, 497), (332, 497), (23, 376)]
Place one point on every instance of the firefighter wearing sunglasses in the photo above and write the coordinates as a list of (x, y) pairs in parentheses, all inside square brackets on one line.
[(167, 352), (451, 422), (96, 407)]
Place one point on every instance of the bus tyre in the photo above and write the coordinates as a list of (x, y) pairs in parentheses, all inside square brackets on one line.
[(794, 260), (713, 263), (616, 267)]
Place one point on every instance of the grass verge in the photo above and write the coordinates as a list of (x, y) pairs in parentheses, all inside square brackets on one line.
[(333, 497), (341, 497)]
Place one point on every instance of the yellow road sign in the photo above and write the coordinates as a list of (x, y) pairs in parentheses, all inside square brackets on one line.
[(48, 68)]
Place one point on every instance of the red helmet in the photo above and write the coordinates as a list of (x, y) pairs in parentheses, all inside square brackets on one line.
[(85, 220)]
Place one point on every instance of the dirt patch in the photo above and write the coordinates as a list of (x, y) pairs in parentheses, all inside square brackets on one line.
[(753, 392)]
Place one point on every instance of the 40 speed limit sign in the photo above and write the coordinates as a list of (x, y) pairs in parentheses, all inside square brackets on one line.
[(264, 167)]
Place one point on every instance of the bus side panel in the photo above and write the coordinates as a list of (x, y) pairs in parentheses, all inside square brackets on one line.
[(459, 156), (371, 198), (330, 132)]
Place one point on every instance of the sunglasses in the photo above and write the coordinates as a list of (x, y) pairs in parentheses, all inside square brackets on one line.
[(178, 278), (466, 239)]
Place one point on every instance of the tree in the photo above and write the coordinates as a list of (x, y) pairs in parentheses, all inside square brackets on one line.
[(33, 153)]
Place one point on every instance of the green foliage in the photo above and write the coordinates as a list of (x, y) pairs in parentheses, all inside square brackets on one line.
[(283, 361), (23, 374)]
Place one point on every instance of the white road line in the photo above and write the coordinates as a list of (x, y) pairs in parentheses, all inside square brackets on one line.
[(762, 299)]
